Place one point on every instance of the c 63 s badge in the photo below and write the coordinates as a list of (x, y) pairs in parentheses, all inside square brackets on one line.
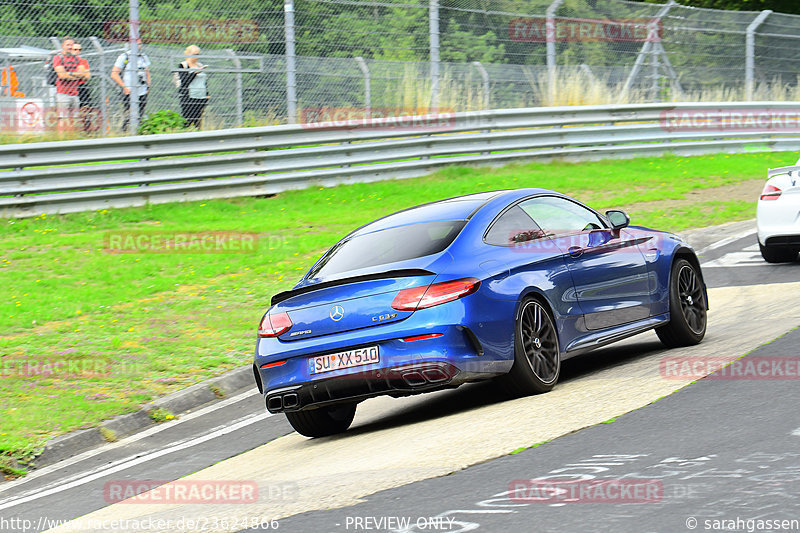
[(381, 318)]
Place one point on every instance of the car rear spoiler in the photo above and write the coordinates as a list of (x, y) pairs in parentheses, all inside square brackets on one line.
[(783, 170), (399, 273)]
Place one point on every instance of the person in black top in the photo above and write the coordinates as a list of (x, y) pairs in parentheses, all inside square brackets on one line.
[(84, 91), (192, 87)]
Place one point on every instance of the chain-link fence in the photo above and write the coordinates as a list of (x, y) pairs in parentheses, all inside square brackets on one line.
[(319, 60)]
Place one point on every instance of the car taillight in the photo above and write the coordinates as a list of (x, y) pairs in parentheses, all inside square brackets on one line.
[(438, 293), (422, 337), (770, 192), (274, 325)]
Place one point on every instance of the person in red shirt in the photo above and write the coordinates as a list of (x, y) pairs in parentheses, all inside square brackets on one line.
[(66, 66)]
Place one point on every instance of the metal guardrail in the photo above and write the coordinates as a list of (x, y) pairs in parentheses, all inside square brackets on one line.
[(70, 176)]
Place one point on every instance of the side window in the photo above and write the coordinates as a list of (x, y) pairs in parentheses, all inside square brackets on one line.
[(558, 215), (513, 226)]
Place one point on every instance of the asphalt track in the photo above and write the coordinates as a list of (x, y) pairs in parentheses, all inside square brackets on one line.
[(396, 442), (719, 454)]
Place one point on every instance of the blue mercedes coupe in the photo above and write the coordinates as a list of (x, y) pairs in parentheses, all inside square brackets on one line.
[(502, 284)]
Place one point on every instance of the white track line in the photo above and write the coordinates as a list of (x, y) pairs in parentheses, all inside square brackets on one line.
[(126, 441), (105, 470), (727, 240)]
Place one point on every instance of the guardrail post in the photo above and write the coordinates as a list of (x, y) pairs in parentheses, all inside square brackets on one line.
[(550, 33), (49, 90), (433, 16), (103, 79), (291, 63), (133, 60), (485, 77), (749, 52), (367, 85)]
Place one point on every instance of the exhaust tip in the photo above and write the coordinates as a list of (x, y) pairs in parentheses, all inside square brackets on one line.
[(435, 375), (414, 379), (290, 400), (274, 404)]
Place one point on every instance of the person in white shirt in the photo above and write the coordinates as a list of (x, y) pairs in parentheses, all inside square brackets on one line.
[(129, 79)]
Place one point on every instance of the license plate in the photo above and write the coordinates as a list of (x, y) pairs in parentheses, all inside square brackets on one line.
[(348, 359)]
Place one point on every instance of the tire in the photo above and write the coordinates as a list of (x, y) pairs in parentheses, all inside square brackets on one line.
[(687, 307), (323, 421), (537, 357), (777, 255)]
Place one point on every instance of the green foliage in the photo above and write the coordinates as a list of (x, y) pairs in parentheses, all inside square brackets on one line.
[(9, 468), (779, 6), (164, 121), (461, 46), (161, 415), (254, 119), (108, 434), (56, 18)]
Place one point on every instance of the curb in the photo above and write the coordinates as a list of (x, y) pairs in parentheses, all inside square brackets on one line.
[(202, 393), (710, 237)]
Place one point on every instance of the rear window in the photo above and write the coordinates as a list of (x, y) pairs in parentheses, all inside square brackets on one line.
[(387, 246)]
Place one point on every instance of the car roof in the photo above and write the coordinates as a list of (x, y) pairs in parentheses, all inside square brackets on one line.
[(457, 208)]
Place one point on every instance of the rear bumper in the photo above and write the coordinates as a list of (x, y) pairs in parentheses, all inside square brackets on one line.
[(476, 344), (778, 221), (396, 381), (783, 241)]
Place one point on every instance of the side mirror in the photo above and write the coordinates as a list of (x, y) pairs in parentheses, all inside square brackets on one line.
[(618, 218)]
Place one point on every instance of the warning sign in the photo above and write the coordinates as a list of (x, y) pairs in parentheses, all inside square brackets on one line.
[(23, 115), (30, 116)]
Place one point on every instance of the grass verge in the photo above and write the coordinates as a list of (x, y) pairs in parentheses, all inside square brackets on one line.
[(87, 334)]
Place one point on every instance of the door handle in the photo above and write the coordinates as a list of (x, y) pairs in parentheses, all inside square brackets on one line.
[(575, 251)]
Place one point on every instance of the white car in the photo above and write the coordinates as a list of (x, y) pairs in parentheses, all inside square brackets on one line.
[(778, 215)]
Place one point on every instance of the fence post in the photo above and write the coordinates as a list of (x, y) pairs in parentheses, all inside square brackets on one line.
[(655, 68), (103, 75), (647, 48), (291, 65), (133, 60), (433, 17), (550, 33), (749, 52), (238, 64), (485, 77), (367, 85)]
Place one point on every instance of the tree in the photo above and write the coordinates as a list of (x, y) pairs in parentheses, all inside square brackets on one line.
[(779, 6)]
